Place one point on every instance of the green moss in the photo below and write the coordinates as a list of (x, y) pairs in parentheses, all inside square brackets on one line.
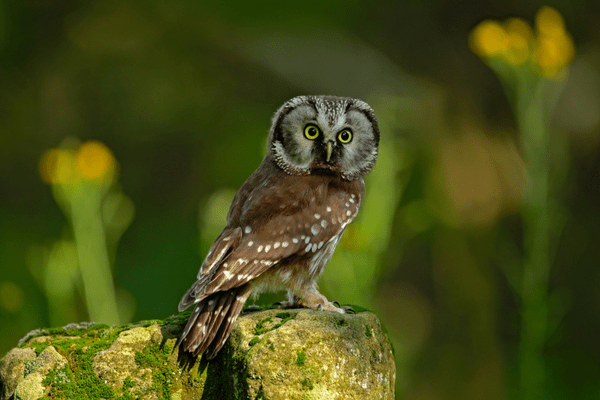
[(128, 383), (31, 365), (368, 331), (306, 383), (66, 384), (80, 381), (55, 331), (301, 358), (270, 345), (156, 358), (253, 341), (95, 327), (259, 329), (39, 347)]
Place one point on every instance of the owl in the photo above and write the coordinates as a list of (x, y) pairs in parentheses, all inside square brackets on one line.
[(285, 221)]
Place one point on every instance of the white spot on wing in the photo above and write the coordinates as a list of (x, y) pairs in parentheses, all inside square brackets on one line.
[(276, 245), (348, 213), (307, 249), (284, 244), (328, 209), (324, 223), (247, 229), (317, 216), (307, 240), (259, 248), (267, 248), (295, 240), (314, 247), (314, 229), (250, 243)]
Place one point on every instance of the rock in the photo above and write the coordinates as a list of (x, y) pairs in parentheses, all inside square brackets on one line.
[(273, 354)]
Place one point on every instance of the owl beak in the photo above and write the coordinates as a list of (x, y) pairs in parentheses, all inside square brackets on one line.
[(329, 150)]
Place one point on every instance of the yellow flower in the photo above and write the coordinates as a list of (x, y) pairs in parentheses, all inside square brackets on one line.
[(95, 160), (57, 166), (488, 39), (549, 22), (520, 36), (554, 48)]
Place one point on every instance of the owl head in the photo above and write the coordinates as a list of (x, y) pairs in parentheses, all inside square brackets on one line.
[(324, 135)]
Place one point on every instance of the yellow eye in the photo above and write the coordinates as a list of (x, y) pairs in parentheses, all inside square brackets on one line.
[(311, 131), (345, 136)]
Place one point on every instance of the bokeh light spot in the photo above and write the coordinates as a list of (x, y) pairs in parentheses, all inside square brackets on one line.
[(11, 296)]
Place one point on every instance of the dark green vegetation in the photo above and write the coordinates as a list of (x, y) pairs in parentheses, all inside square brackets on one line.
[(301, 358)]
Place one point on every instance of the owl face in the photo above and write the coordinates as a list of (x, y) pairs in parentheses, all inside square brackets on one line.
[(325, 135)]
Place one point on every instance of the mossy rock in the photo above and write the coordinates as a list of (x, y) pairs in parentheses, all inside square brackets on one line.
[(273, 354)]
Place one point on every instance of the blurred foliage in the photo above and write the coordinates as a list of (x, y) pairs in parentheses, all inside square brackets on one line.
[(182, 93)]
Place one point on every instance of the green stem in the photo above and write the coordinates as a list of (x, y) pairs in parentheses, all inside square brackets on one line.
[(93, 256), (536, 227)]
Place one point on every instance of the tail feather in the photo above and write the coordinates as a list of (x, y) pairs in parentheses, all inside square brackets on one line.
[(226, 325), (211, 321)]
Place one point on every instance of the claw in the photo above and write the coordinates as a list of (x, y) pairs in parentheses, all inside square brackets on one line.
[(348, 310)]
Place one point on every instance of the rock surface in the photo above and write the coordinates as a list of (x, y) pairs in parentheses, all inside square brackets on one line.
[(273, 354)]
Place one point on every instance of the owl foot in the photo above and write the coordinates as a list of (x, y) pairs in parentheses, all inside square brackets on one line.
[(295, 302), (347, 309)]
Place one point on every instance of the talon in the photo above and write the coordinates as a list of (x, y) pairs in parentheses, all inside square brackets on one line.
[(348, 310), (335, 303)]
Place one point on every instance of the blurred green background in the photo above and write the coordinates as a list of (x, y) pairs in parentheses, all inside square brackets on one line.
[(182, 94)]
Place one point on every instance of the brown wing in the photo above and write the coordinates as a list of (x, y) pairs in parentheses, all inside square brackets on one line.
[(290, 216), (228, 240)]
